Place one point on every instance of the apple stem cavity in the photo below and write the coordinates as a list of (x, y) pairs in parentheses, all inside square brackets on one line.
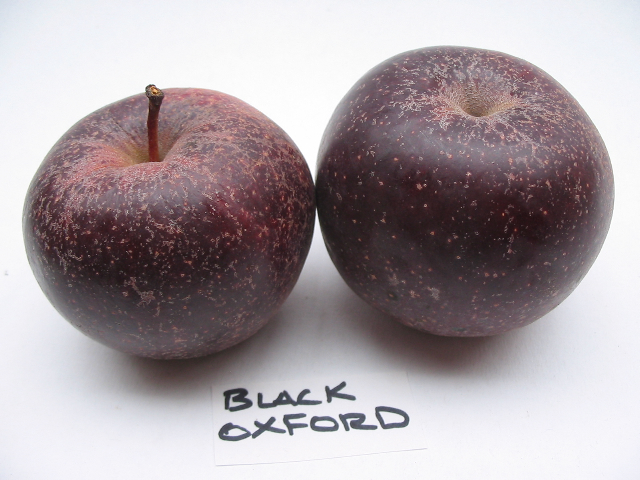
[(155, 96)]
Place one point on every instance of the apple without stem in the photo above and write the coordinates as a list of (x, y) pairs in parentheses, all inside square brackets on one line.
[(176, 251), (462, 191)]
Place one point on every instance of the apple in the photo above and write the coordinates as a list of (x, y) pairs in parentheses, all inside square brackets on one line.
[(462, 191), (170, 229)]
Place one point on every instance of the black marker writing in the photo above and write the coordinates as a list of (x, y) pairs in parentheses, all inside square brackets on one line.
[(301, 401), (319, 428), (291, 426), (238, 395), (349, 421), (395, 411), (223, 434), (283, 399), (238, 399), (333, 393), (355, 421), (266, 427)]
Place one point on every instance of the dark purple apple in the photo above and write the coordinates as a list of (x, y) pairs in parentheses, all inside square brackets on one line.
[(176, 251), (463, 191)]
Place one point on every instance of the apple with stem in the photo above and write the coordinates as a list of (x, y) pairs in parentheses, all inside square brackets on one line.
[(462, 191), (173, 234)]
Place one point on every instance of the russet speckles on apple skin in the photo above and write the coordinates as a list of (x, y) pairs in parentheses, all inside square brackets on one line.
[(465, 172), (177, 258)]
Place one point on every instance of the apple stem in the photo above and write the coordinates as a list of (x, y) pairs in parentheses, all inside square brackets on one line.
[(155, 96)]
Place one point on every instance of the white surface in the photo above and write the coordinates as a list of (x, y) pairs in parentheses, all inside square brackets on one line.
[(555, 400)]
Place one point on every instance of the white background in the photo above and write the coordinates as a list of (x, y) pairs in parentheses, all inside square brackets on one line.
[(558, 399)]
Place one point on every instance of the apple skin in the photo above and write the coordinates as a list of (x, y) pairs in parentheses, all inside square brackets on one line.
[(178, 258), (462, 191)]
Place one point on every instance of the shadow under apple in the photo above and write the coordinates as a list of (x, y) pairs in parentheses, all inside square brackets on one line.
[(416, 351)]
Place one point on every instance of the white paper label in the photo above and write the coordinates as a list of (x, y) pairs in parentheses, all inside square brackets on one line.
[(324, 417)]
